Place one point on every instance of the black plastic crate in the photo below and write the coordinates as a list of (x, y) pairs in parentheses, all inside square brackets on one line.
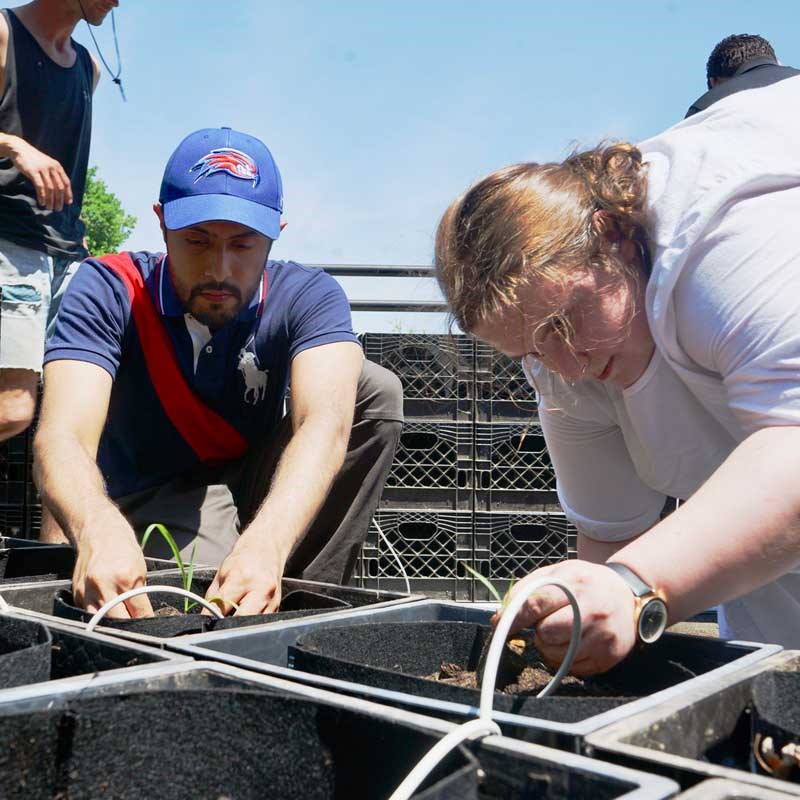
[(502, 391), (16, 457), (509, 546), (24, 521), (437, 372), (432, 467), (433, 547), (512, 467)]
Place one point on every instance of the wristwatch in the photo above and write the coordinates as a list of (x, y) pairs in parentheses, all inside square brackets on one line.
[(650, 612)]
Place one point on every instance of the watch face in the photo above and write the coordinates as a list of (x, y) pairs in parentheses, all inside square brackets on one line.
[(652, 620)]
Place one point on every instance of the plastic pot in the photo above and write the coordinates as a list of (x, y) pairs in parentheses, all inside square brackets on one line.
[(25, 648), (720, 789), (716, 732), (381, 653), (294, 604), (32, 651), (26, 560), (205, 731)]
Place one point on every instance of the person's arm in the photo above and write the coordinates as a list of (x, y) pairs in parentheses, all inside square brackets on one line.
[(324, 381), (599, 552), (738, 532), (95, 72), (109, 559)]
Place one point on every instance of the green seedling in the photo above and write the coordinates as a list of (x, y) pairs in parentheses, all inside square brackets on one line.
[(187, 571), (502, 599)]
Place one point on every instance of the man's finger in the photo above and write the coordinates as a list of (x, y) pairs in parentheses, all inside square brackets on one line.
[(139, 606), (68, 191), (38, 184), (228, 593), (58, 189), (254, 603), (213, 591), (48, 189), (119, 611)]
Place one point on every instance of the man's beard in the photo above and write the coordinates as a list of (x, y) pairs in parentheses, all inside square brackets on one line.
[(214, 315)]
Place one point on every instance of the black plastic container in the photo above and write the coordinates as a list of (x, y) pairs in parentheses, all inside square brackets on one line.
[(715, 732), (433, 546), (25, 648), (32, 651), (408, 636), (437, 372), (393, 656), (202, 731), (25, 560), (720, 789), (298, 603), (432, 467), (300, 599)]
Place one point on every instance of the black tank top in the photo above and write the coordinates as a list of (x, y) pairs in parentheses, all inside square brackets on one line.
[(50, 107)]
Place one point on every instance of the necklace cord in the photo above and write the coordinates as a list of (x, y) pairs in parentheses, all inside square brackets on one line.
[(114, 78)]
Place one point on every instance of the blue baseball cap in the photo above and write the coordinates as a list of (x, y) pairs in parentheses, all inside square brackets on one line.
[(222, 174)]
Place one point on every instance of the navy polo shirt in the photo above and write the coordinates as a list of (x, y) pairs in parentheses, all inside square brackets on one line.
[(241, 372)]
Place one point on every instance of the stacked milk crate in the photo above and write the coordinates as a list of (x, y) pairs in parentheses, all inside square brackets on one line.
[(425, 519), (20, 510), (518, 523), (471, 484)]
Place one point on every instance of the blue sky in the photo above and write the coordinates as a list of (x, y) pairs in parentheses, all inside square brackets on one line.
[(380, 113)]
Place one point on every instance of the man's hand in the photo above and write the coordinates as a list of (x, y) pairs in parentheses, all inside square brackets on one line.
[(607, 616), (250, 576), (110, 562), (53, 187)]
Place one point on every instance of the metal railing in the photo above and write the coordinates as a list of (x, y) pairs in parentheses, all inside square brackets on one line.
[(386, 271)]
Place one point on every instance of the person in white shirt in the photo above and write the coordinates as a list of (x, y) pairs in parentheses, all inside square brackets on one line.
[(653, 293)]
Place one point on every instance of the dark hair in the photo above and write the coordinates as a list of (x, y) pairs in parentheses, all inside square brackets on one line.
[(733, 51)]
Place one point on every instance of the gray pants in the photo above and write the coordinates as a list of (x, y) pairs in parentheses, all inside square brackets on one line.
[(214, 505)]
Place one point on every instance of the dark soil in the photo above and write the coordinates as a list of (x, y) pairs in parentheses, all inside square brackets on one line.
[(523, 672), (167, 611)]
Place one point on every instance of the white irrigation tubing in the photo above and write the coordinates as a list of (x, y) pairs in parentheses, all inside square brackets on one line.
[(484, 725), (525, 588), (396, 557), (474, 729), (3, 604), (121, 598)]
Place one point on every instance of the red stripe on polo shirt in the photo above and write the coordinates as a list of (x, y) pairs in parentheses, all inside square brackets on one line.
[(212, 438)]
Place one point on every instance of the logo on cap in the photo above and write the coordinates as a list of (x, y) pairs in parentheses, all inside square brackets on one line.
[(226, 159)]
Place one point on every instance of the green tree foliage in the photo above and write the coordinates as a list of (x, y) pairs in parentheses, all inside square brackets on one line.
[(107, 223)]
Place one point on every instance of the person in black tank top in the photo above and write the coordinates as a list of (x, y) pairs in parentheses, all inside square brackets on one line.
[(46, 85)]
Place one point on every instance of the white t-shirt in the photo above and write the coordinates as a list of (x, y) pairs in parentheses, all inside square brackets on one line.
[(723, 302)]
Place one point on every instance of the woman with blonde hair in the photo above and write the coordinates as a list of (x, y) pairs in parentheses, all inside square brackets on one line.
[(652, 294)]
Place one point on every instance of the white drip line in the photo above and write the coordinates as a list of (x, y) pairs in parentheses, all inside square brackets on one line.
[(484, 725), (4, 606), (396, 556), (121, 598)]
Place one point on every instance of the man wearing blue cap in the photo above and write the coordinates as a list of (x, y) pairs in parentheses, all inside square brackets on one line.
[(165, 382)]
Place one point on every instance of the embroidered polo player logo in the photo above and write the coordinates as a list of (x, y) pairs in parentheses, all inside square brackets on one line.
[(255, 379), (226, 159)]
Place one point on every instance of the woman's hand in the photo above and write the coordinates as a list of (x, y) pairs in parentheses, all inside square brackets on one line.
[(607, 616)]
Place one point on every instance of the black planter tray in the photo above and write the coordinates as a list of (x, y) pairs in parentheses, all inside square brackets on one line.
[(720, 789), (707, 731), (556, 721), (33, 651), (36, 592), (301, 599), (27, 560), (205, 730)]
